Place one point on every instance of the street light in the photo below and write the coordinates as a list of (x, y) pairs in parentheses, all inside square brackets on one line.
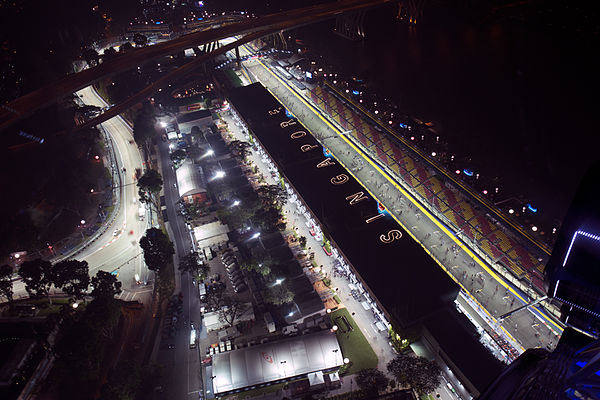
[(236, 203), (255, 235), (163, 124), (220, 174), (210, 152)]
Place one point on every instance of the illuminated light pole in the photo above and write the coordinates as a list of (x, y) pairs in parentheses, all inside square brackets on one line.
[(283, 364)]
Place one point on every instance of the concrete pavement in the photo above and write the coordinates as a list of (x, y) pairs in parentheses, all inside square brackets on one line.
[(524, 329)]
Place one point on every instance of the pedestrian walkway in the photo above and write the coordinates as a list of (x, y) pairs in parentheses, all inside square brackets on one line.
[(435, 238)]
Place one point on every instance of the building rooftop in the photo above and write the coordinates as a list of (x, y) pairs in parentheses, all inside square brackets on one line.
[(256, 365)]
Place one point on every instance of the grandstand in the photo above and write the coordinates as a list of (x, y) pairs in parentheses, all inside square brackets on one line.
[(458, 209)]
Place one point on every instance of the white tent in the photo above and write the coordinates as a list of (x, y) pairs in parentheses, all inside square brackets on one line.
[(316, 378), (334, 376), (274, 361)]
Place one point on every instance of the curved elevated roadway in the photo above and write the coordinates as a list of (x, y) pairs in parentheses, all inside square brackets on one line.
[(26, 105)]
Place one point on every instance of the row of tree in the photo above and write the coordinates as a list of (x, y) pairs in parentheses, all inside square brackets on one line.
[(158, 255), (409, 371), (70, 276)]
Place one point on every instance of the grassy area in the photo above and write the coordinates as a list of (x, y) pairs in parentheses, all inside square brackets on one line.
[(256, 392), (354, 344), (426, 397), (233, 78), (46, 308)]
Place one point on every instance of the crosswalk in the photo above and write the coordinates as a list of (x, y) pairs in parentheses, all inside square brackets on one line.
[(130, 295)]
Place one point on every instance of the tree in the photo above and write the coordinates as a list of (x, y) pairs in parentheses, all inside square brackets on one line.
[(144, 126), (371, 381), (417, 373), (126, 47), (158, 249), (37, 276), (268, 220), (215, 297), (149, 186), (91, 56), (302, 241), (256, 266), (6, 285), (240, 149), (273, 195), (109, 53), (189, 263), (178, 156), (231, 309), (72, 277), (278, 294), (194, 210), (140, 40), (105, 285)]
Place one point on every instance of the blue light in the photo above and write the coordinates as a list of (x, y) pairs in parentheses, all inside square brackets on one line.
[(531, 208), (381, 209), (200, 19), (401, 125), (288, 114), (467, 172), (158, 22), (327, 153), (115, 272), (355, 92)]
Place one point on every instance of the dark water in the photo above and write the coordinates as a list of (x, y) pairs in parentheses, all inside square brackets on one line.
[(518, 100)]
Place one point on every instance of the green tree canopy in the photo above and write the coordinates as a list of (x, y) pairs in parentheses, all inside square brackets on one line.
[(415, 372), (105, 285), (178, 156), (278, 294), (37, 277), (109, 53), (91, 56), (232, 308), (151, 181), (240, 149), (273, 195), (268, 220), (6, 286), (140, 40), (72, 277), (126, 47), (144, 126), (149, 186), (189, 263), (158, 249), (371, 380)]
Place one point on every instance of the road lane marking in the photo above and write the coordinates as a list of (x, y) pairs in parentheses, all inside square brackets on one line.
[(441, 226)]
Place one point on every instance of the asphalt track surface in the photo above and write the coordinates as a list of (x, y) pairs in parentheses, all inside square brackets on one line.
[(528, 328)]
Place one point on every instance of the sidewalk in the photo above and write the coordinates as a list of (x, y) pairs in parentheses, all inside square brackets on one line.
[(339, 284), (452, 255)]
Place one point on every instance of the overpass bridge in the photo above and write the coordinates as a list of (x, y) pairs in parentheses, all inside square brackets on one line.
[(253, 28)]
